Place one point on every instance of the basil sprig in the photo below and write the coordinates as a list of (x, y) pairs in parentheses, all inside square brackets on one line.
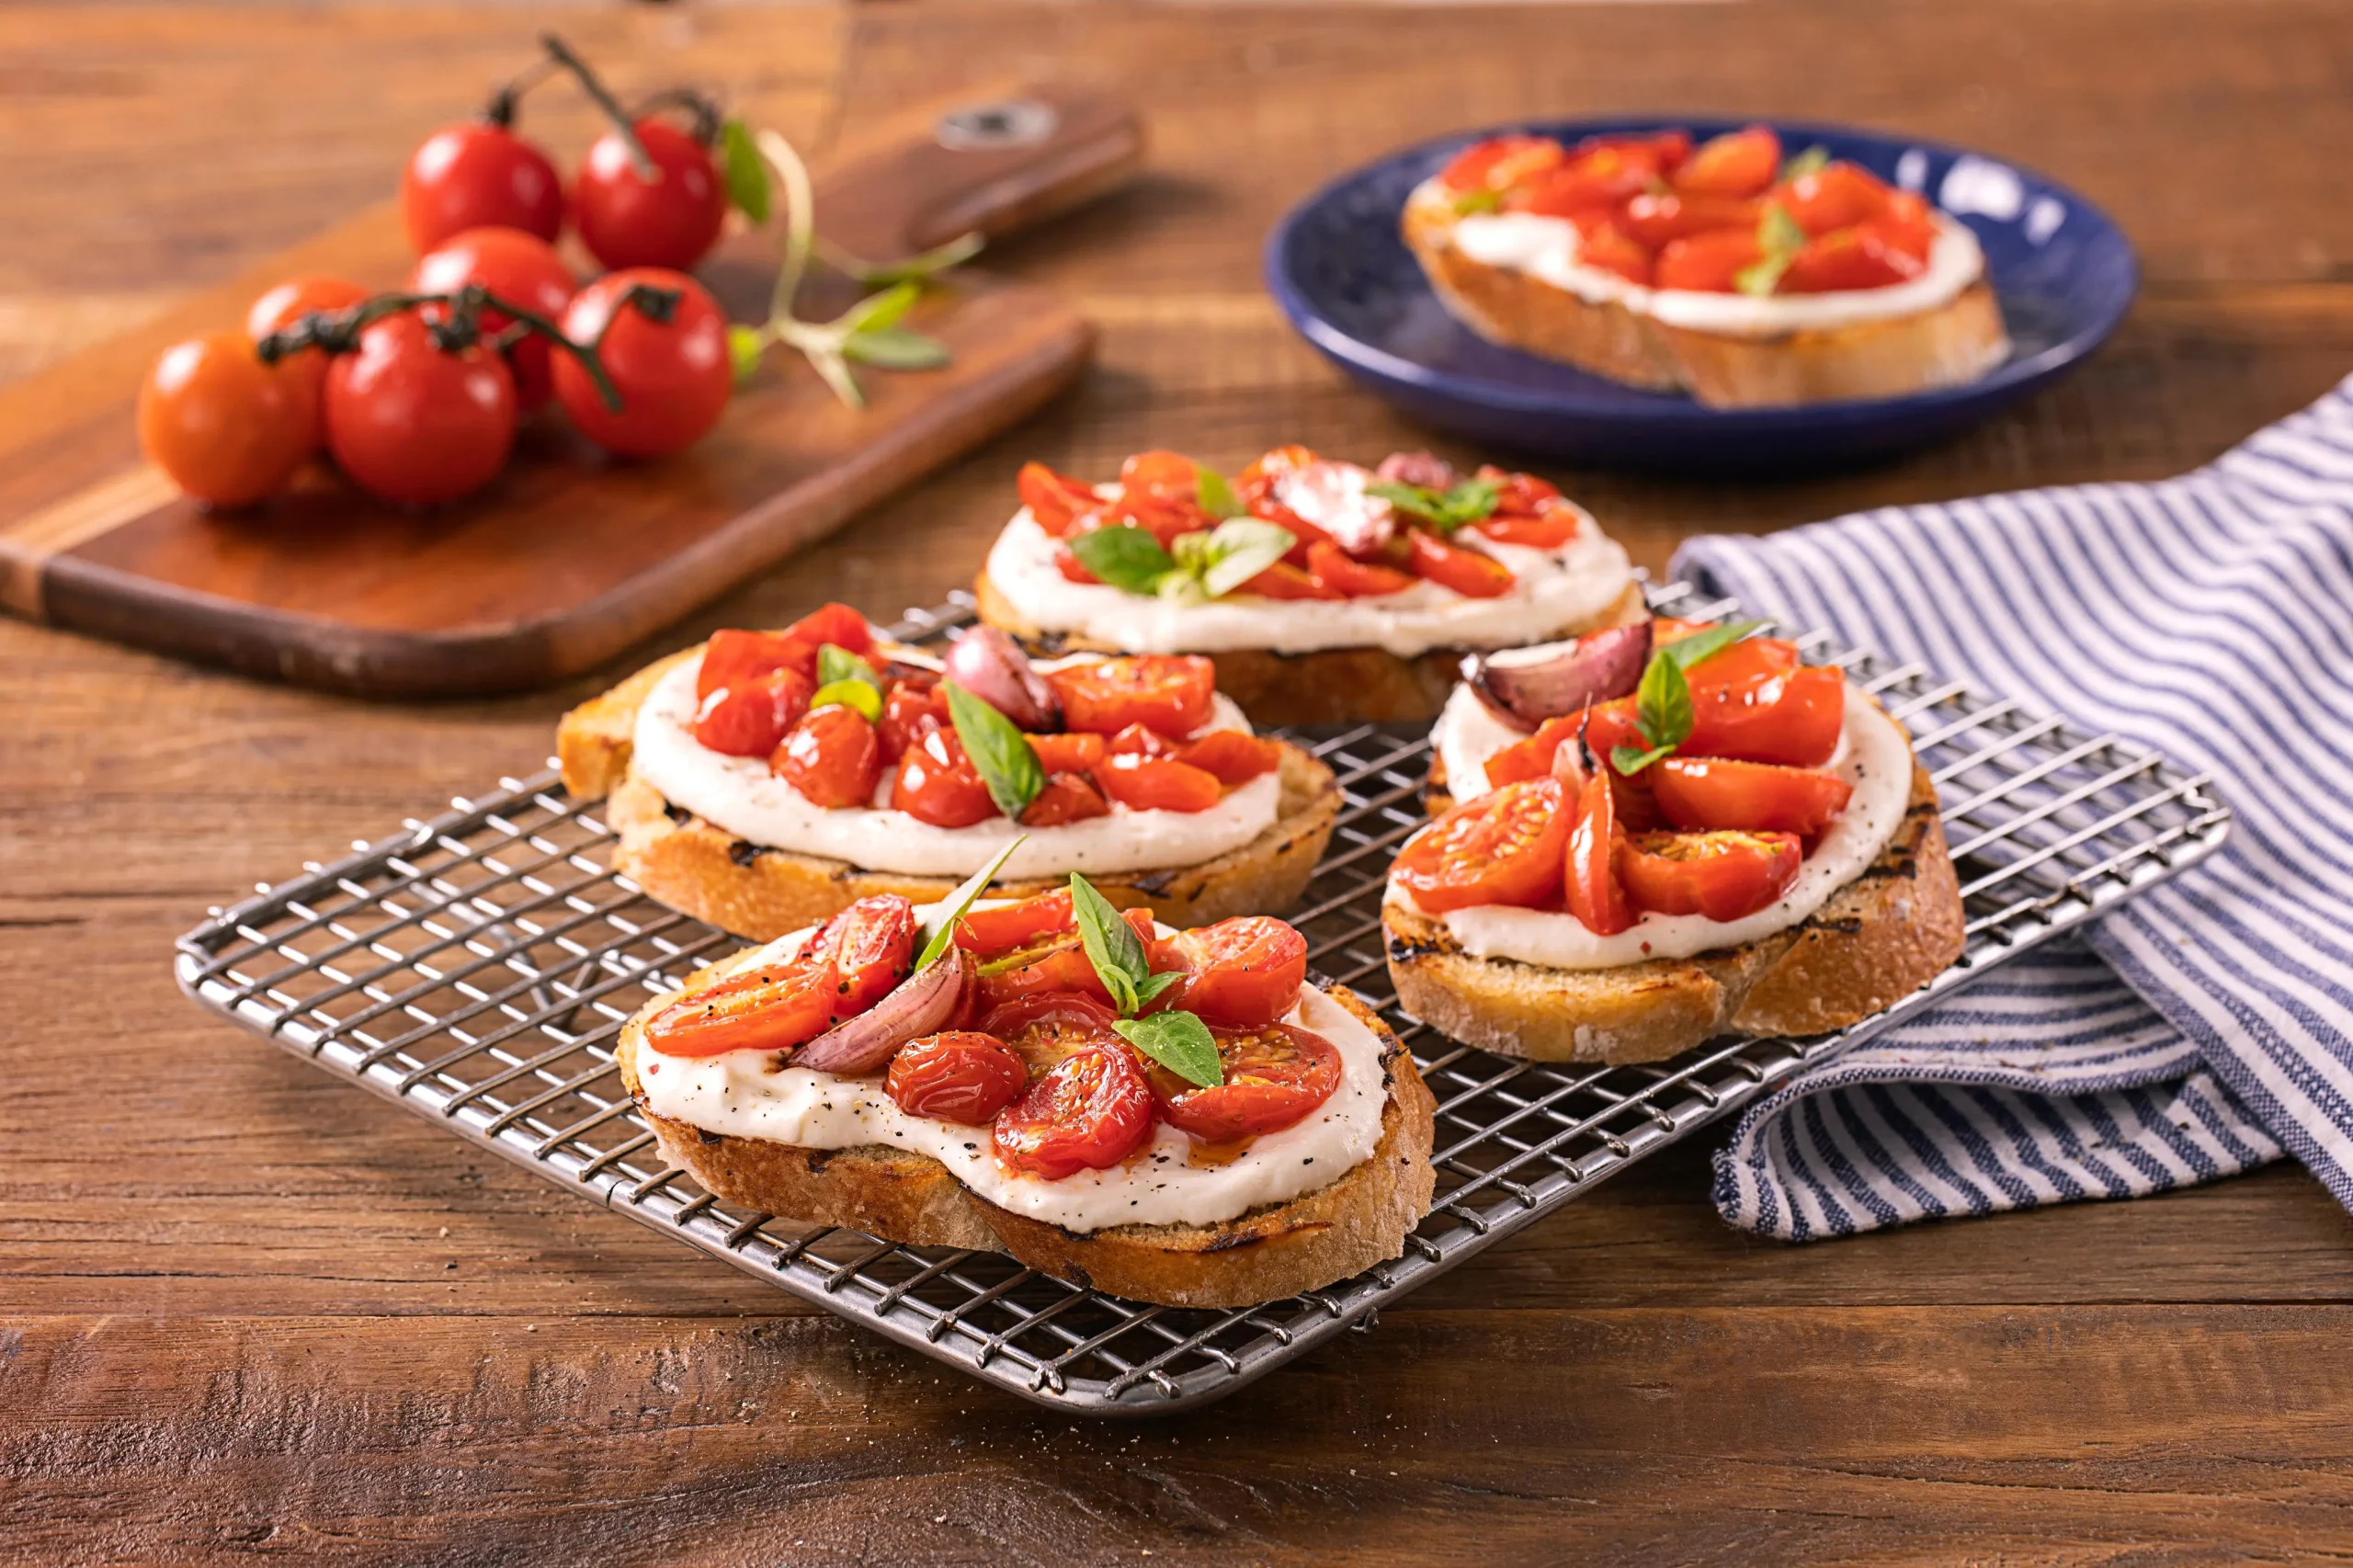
[(1663, 701), (1443, 510), (1177, 1041), (941, 927), (1000, 751), (836, 662), (1208, 564), (1778, 236)]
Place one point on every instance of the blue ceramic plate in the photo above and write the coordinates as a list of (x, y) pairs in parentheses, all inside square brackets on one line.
[(2062, 270)]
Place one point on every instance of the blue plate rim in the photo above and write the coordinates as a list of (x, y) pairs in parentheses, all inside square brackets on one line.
[(1341, 345)]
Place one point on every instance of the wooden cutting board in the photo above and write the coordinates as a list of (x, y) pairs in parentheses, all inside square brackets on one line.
[(569, 556)]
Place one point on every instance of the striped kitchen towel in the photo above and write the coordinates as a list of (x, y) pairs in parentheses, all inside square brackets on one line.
[(2207, 1026)]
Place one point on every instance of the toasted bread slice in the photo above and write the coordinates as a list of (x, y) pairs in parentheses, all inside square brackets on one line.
[(1881, 937), (1273, 1251), (699, 867), (1949, 344), (1330, 686)]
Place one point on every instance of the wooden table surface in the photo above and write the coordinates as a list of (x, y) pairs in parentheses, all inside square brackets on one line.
[(245, 1310)]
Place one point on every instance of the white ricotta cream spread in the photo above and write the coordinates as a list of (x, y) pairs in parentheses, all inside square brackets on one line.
[(1556, 591), (1546, 249), (1873, 757), (741, 1095), (739, 794)]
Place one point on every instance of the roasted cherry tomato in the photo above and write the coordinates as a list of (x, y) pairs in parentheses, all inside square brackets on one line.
[(962, 1077), (1602, 243), (1275, 1076), (1232, 756), (987, 933), (1594, 178), (1754, 703), (1710, 263), (1538, 755), (1139, 740), (1908, 224), (871, 947), (1739, 162), (1089, 1112), (1045, 1026), (1659, 219), (226, 427), (1068, 798), (1502, 161), (1720, 875), (911, 710), (673, 375), (1160, 491), (1589, 873), (1502, 847), (290, 302), (1519, 494), (751, 717), (475, 176), (1053, 963), (733, 655), (1839, 195), (520, 267), (1242, 972), (1285, 581), (1700, 793), (1468, 572), (1552, 528), (1146, 783), (1055, 500), (832, 755), (1170, 693), (1859, 257), (415, 423), (938, 783), (777, 1006), (1339, 574), (1074, 752), (627, 219)]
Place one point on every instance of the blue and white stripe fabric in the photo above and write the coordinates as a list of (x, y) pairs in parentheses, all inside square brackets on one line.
[(2207, 1026)]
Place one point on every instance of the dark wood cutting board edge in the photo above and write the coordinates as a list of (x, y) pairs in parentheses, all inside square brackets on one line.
[(93, 541)]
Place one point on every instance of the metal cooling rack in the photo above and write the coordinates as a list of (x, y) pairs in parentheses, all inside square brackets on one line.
[(476, 967)]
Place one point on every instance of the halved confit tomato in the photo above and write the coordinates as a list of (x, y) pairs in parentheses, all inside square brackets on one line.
[(1077, 753), (991, 933), (1594, 178), (1334, 569), (1539, 757), (1053, 963), (869, 947), (911, 710), (1160, 491), (1055, 500), (1836, 195), (1088, 1112), (1700, 793), (1068, 798), (1170, 693), (1659, 219), (1275, 1076), (937, 783), (1468, 572), (1519, 494), (1232, 756), (1501, 162), (1859, 257), (1148, 783), (1046, 1027), (751, 717), (1708, 263), (1588, 873), (779, 1007), (1754, 702), (1720, 875), (1242, 972), (960, 1076), (1551, 528), (1137, 740), (1739, 162), (1502, 847), (1284, 580), (1601, 243), (832, 755), (731, 656)]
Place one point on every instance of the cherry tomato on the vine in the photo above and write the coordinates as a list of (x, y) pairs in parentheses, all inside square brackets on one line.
[(520, 267), (226, 427), (674, 376), (412, 422), (290, 302), (627, 219), (472, 177)]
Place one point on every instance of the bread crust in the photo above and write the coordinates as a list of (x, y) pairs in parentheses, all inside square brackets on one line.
[(1270, 1252), (1881, 937), (702, 869), (1329, 686), (1947, 345)]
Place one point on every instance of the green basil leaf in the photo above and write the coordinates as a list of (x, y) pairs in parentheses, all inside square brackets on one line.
[(745, 345), (940, 929), (1629, 762), (999, 751), (896, 348), (1663, 702), (1112, 945), (1472, 201), (1812, 161), (863, 695), (1411, 498), (1238, 550), (1471, 500), (1778, 236), (1157, 983), (836, 662), (1444, 510), (1178, 1042), (1191, 551), (1216, 497), (743, 172), (1688, 650), (1125, 557)]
